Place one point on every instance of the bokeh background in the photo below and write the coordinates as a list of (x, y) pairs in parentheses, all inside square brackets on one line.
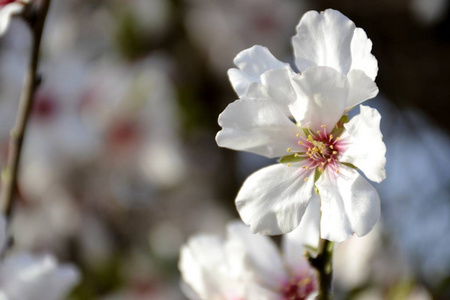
[(121, 166)]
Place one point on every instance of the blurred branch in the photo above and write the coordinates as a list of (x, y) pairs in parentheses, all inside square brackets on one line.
[(35, 17), (323, 263)]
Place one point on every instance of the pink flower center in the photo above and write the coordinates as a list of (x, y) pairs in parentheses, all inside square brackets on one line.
[(299, 288), (320, 149), (44, 107), (123, 134), (5, 2)]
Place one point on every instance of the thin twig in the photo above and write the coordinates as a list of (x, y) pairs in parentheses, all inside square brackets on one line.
[(10, 172), (323, 263)]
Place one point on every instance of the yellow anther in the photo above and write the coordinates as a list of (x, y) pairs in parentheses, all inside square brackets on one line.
[(337, 171), (331, 136), (288, 149), (334, 152), (320, 169), (296, 154), (318, 131), (300, 142), (289, 164), (305, 167), (309, 149), (338, 138), (331, 147), (297, 135), (305, 281), (306, 178), (310, 138), (329, 160), (322, 164), (323, 125)]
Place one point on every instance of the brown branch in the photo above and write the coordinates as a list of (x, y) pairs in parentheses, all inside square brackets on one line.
[(323, 263), (36, 19)]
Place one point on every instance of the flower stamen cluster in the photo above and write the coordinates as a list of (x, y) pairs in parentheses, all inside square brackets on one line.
[(321, 149), (299, 288)]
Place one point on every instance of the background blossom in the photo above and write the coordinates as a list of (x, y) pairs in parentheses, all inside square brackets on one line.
[(247, 266)]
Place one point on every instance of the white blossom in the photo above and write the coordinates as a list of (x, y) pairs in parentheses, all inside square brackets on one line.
[(248, 266), (24, 276), (302, 118)]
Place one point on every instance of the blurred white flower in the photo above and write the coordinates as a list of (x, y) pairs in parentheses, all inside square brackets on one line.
[(353, 259), (8, 9), (134, 110), (31, 277), (429, 11), (221, 28), (47, 222), (247, 266)]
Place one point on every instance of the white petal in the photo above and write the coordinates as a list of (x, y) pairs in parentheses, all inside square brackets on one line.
[(256, 60), (276, 85), (203, 266), (331, 39), (273, 200), (362, 59), (241, 81), (321, 97), (324, 40), (252, 63), (349, 204), (6, 13), (262, 259), (365, 148), (257, 126), (279, 86), (306, 234), (361, 88), (25, 277)]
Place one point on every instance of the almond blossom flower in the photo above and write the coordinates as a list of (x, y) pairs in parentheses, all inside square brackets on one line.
[(8, 9), (319, 154), (323, 39), (247, 266), (30, 277)]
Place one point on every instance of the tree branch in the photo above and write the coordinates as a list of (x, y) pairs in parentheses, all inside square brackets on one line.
[(36, 20), (323, 263)]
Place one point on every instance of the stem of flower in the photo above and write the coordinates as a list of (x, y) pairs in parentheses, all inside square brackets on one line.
[(36, 20), (323, 263)]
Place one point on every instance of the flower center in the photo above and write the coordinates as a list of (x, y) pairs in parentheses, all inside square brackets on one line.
[(44, 107), (298, 289), (5, 2), (319, 148)]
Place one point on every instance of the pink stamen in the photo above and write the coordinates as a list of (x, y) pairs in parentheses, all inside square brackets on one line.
[(5, 2), (321, 149), (299, 288)]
